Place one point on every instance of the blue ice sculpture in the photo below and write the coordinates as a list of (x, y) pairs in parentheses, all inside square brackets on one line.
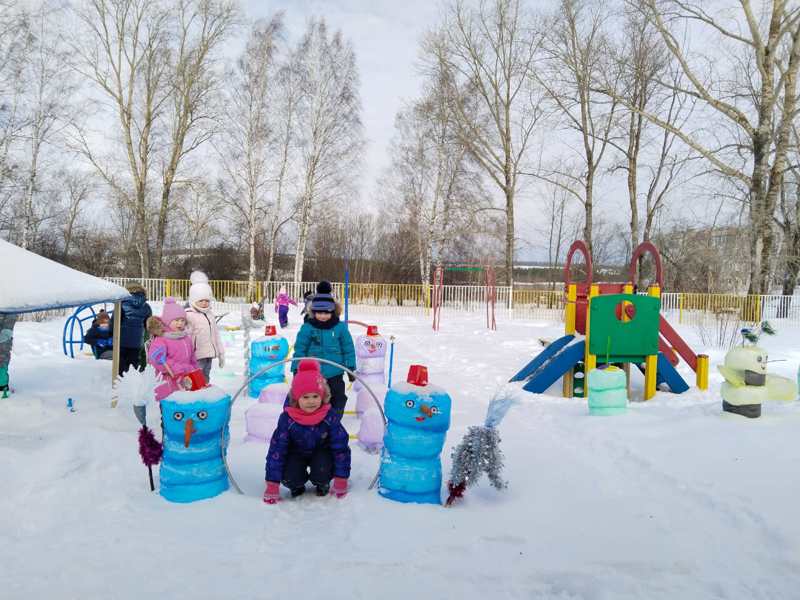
[(419, 417), (265, 351), (194, 422)]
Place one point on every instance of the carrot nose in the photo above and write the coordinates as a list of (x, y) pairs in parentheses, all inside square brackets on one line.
[(188, 430), (426, 410)]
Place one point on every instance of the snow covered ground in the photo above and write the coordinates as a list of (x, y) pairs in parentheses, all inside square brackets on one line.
[(672, 500)]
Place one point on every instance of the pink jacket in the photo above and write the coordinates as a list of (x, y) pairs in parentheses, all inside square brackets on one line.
[(205, 333), (284, 300), (178, 353)]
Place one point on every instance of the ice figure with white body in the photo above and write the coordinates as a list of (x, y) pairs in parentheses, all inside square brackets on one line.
[(262, 418), (370, 358), (419, 417), (266, 351), (195, 437)]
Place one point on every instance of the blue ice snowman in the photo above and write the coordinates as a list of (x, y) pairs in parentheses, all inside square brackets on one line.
[(265, 351), (194, 422), (419, 417)]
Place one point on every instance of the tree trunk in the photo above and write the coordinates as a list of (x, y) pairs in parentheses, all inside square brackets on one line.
[(509, 191), (302, 237), (588, 206)]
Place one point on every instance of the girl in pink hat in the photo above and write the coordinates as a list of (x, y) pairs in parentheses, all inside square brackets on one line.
[(309, 442), (171, 351)]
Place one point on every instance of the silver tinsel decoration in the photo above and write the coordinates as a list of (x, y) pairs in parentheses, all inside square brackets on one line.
[(479, 452)]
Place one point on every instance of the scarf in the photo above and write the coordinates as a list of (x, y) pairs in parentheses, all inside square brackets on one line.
[(329, 324), (175, 335), (300, 416), (205, 310)]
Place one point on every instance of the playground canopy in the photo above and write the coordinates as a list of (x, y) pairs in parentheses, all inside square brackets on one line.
[(32, 283)]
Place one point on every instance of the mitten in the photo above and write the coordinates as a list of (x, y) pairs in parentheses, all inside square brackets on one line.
[(340, 486), (221, 361), (272, 495), (351, 377)]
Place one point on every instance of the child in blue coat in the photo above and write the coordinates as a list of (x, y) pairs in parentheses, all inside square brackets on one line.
[(325, 336), (309, 442)]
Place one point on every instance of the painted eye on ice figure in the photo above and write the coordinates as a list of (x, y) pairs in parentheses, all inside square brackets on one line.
[(409, 404), (434, 410), (202, 415), (275, 348), (178, 416)]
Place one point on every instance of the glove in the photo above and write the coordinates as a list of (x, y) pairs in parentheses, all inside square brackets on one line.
[(272, 495), (340, 487), (351, 377), (221, 361)]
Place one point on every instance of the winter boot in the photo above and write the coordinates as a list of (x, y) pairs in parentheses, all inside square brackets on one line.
[(322, 490), (298, 491)]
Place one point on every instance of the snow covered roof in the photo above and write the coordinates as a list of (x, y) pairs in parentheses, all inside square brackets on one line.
[(29, 282)]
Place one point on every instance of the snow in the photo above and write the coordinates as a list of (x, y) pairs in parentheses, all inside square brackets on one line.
[(32, 282), (671, 500), (207, 395)]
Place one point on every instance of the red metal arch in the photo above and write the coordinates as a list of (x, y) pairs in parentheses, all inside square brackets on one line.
[(646, 248), (578, 246)]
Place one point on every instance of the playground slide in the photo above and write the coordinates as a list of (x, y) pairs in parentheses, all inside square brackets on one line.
[(551, 370), (676, 341), (542, 357), (667, 374)]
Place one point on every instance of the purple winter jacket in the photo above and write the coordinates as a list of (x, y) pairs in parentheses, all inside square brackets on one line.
[(178, 353), (290, 437)]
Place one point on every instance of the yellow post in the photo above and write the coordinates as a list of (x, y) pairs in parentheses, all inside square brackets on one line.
[(651, 362), (702, 371), (570, 309), (589, 360), (680, 308), (168, 287), (650, 373)]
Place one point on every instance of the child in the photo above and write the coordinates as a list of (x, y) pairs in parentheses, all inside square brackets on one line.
[(203, 327), (282, 302), (99, 336), (325, 336), (306, 311), (309, 441), (171, 351)]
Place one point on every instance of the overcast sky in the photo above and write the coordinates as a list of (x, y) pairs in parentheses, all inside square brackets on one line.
[(385, 35)]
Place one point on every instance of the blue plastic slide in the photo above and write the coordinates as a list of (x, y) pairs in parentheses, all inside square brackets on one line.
[(556, 367), (541, 358), (667, 374)]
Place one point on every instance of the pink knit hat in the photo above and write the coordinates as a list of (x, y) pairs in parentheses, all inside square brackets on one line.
[(172, 310), (309, 380)]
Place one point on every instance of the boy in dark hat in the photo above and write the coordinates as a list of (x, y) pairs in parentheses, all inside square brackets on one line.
[(325, 336)]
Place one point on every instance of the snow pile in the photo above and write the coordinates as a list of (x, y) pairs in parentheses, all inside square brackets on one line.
[(32, 282), (670, 500)]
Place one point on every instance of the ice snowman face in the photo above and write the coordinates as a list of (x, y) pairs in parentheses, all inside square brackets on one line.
[(370, 346), (196, 421), (426, 408), (747, 358), (271, 348)]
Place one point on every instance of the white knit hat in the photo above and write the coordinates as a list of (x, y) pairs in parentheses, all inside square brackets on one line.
[(200, 291), (198, 277)]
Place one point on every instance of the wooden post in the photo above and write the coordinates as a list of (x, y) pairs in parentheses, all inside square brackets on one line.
[(115, 353), (702, 371)]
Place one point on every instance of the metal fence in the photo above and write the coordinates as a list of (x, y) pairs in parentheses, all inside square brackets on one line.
[(512, 303)]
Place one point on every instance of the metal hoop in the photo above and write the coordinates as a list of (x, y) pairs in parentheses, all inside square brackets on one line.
[(283, 362)]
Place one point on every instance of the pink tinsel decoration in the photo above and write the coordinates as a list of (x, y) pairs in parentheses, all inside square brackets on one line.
[(150, 449)]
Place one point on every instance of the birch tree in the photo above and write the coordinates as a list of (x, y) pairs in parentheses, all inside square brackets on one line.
[(246, 150), (46, 109), (575, 47), (491, 50), (153, 63), (329, 125), (765, 50)]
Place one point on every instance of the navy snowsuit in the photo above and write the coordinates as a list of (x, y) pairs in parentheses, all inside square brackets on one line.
[(294, 447)]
